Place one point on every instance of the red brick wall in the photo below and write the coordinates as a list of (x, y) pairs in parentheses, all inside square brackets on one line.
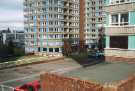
[(109, 88), (124, 85), (52, 82), (127, 85)]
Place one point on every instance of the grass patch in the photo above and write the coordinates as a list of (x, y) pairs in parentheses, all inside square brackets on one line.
[(31, 58)]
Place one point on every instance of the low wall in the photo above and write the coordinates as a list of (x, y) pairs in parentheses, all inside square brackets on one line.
[(117, 54), (127, 85), (52, 82), (119, 59), (49, 54)]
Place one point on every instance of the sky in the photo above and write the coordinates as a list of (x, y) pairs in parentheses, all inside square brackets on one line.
[(11, 14)]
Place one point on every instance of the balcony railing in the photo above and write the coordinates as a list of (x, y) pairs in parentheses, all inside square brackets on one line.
[(120, 52), (120, 7), (120, 30)]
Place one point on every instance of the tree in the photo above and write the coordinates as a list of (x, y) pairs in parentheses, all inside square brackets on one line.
[(101, 41), (10, 47)]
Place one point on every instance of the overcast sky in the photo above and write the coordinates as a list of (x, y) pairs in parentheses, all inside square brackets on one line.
[(11, 13)]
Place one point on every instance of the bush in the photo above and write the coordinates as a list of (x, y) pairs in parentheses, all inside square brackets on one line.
[(19, 52), (79, 56)]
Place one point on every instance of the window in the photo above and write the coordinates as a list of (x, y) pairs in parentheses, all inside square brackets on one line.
[(38, 49), (119, 42), (50, 49), (120, 19), (124, 19), (93, 30), (100, 19), (56, 49), (114, 19), (118, 1), (122, 0), (44, 49)]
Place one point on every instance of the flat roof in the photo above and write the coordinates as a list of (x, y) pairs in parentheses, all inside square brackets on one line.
[(104, 72)]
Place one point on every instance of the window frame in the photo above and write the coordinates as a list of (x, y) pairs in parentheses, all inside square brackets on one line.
[(118, 1), (119, 22)]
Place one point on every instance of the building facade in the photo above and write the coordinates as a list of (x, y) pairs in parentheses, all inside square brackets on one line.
[(48, 22), (120, 30), (17, 37), (94, 21)]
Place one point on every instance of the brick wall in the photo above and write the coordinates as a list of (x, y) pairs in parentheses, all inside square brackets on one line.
[(127, 85), (52, 82)]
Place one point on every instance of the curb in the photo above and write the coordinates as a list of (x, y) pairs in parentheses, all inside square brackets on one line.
[(12, 64)]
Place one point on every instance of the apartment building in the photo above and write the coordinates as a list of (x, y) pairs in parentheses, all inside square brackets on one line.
[(94, 21), (120, 30), (17, 37), (48, 23)]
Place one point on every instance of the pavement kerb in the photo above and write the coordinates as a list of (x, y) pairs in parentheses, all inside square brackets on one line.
[(14, 63)]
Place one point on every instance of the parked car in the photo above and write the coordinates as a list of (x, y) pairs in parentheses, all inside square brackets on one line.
[(96, 55), (31, 86)]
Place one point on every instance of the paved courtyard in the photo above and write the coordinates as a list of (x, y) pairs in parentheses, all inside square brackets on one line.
[(104, 72), (31, 71)]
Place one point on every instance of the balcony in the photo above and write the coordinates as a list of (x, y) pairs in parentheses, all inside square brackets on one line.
[(120, 7), (27, 2), (120, 30)]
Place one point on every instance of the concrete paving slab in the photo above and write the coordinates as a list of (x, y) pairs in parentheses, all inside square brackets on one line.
[(104, 72)]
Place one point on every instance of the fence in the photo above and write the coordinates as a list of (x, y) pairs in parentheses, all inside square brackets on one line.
[(6, 88)]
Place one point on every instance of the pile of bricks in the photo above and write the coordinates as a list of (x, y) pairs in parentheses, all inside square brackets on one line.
[(52, 82)]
